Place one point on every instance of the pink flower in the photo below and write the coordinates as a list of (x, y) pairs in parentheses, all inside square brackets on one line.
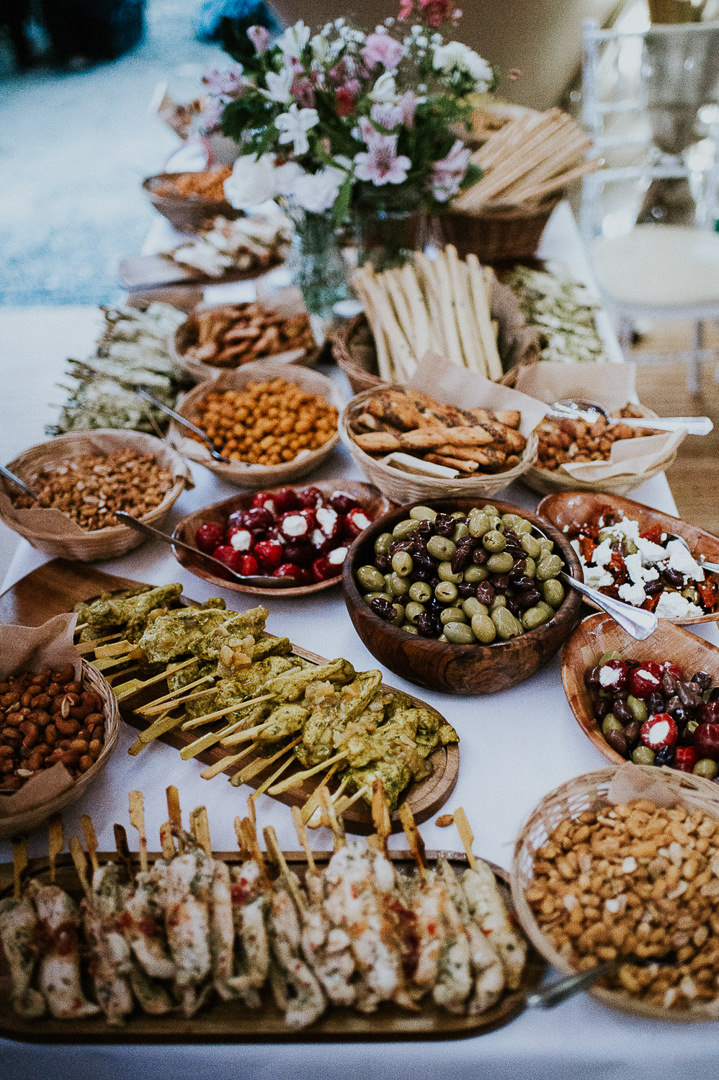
[(435, 12), (381, 49), (405, 10), (344, 102), (380, 163), (449, 172), (303, 92), (260, 38)]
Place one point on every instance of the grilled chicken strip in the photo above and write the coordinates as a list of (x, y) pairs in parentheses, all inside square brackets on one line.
[(250, 899), (295, 988), (18, 936), (59, 969), (487, 967), (488, 911), (187, 925)]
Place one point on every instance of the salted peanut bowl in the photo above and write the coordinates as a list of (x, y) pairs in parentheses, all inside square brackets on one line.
[(442, 628)]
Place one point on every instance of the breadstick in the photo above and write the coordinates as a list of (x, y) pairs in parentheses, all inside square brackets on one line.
[(481, 309)]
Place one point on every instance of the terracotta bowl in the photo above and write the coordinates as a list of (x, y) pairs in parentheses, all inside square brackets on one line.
[(572, 509), (368, 496), (598, 634), (457, 669)]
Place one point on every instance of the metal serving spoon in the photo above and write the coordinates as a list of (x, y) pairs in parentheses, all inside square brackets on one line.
[(590, 410), (25, 488), (557, 992), (156, 534)]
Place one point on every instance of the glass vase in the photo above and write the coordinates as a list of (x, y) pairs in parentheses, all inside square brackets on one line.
[(317, 265), (387, 235)]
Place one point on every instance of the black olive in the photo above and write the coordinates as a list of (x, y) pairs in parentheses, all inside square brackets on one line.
[(479, 556), (424, 529), (600, 708), (714, 693), (680, 713), (515, 607), (485, 593), (622, 712), (591, 676), (702, 678), (383, 608), (652, 588), (655, 702), (383, 563), (631, 733), (462, 555), (500, 582), (444, 525), (664, 755), (688, 695), (527, 598), (675, 578), (428, 625), (669, 683), (618, 741), (467, 589)]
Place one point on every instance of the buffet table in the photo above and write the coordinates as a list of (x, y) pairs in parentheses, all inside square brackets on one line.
[(515, 747)]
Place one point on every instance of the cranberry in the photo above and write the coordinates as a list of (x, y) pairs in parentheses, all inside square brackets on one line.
[(706, 741), (209, 536), (709, 712), (269, 553), (659, 731), (645, 679)]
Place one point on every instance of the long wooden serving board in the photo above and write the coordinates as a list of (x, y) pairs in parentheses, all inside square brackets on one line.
[(57, 586), (234, 1022)]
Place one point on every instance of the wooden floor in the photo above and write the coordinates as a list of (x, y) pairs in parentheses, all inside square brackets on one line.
[(662, 386)]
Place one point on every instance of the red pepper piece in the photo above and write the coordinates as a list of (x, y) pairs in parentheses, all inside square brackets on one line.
[(310, 496), (356, 522), (329, 565), (708, 594), (685, 758), (289, 570), (269, 553), (706, 741), (248, 565), (209, 536), (298, 524), (342, 502), (587, 547), (653, 533), (617, 568), (286, 499), (659, 730), (227, 555), (670, 667), (644, 679)]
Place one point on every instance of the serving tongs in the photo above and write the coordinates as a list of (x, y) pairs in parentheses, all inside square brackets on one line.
[(591, 410), (25, 488), (557, 992), (156, 534)]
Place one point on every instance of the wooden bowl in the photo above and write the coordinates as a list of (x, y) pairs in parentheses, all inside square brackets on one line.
[(55, 533), (438, 665), (186, 213), (592, 792), (368, 496), (598, 634), (24, 821), (572, 509), (256, 476)]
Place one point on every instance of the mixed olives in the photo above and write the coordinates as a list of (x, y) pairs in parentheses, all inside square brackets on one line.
[(652, 714), (467, 578)]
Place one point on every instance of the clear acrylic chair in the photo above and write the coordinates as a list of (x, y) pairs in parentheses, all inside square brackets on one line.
[(650, 100)]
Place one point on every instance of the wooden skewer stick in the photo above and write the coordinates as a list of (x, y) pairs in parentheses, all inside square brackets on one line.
[(175, 814), (167, 843), (206, 741), (159, 727), (465, 834), (111, 676), (105, 664), (225, 763), (251, 814), (78, 857), (303, 838), (300, 777), (169, 701), (200, 829), (19, 864), (91, 644), (262, 788), (331, 818), (135, 685), (238, 834), (380, 813), (310, 811), (88, 831), (56, 842), (137, 820), (123, 849), (278, 857), (206, 718), (342, 805), (261, 764), (114, 648), (416, 843)]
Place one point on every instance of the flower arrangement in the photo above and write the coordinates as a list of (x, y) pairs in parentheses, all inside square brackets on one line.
[(339, 119)]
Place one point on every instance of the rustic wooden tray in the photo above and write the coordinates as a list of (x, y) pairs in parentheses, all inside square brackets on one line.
[(58, 585), (233, 1022)]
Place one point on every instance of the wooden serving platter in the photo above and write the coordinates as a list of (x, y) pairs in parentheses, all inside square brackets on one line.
[(233, 1022), (59, 585)]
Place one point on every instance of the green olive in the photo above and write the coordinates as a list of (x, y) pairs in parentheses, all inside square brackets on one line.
[(398, 585), (496, 524), (512, 521), (370, 596), (413, 610), (441, 547), (459, 633), (398, 614), (553, 592), (493, 541), (490, 510), (706, 767), (383, 543), (478, 524), (483, 628), (546, 546), (610, 723), (530, 545), (501, 563), (445, 573), (423, 513), (471, 607), (547, 608), (643, 755), (548, 567), (613, 654), (638, 708), (403, 528), (534, 617), (402, 563), (409, 628), (530, 567), (523, 528), (452, 614), (446, 591), (370, 578), (691, 594), (506, 624), (474, 574), (420, 591), (460, 532), (500, 600)]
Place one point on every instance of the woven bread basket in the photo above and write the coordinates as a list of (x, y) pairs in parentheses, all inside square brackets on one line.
[(589, 793), (55, 533), (24, 821), (403, 487), (501, 234)]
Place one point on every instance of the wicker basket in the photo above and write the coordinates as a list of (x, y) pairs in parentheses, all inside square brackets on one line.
[(186, 213), (590, 792), (57, 535), (498, 235), (402, 487), (15, 824)]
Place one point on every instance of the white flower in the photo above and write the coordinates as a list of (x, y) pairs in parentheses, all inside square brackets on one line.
[(252, 181), (457, 57), (320, 49), (279, 86), (293, 41), (384, 89), (293, 126), (317, 192)]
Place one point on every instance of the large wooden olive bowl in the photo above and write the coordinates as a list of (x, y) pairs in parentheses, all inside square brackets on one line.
[(439, 665)]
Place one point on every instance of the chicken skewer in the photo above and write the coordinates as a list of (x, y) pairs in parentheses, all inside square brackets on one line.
[(18, 937)]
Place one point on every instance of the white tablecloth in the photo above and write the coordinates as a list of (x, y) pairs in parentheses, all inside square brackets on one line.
[(515, 747)]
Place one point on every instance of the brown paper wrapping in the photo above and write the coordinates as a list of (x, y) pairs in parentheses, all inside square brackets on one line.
[(611, 385), (33, 648)]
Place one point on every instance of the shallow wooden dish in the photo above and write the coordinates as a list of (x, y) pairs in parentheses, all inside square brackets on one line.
[(15, 824), (186, 213), (368, 496), (233, 1022), (57, 586), (598, 634), (591, 792), (256, 476), (457, 669), (575, 508)]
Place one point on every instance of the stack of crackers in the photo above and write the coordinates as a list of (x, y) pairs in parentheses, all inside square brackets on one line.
[(470, 441)]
